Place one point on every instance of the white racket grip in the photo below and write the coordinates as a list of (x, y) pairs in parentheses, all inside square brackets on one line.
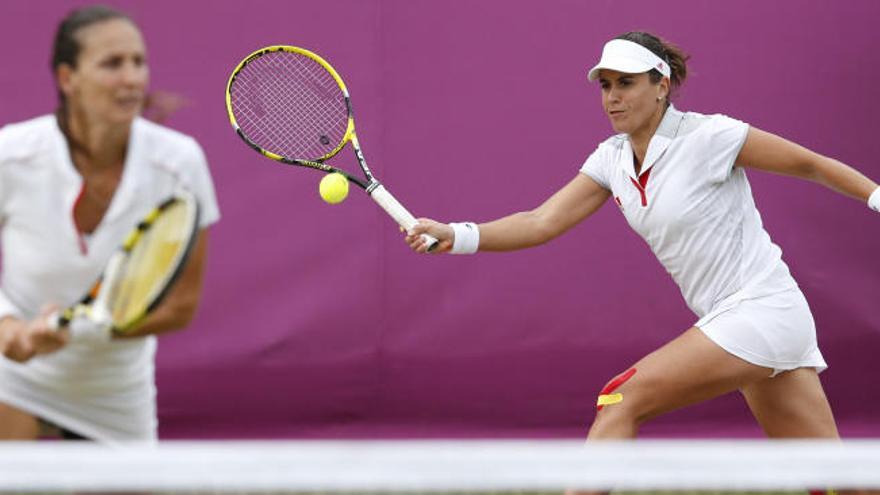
[(54, 320), (400, 214)]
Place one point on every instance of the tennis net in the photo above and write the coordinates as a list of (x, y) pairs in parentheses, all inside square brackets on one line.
[(514, 466)]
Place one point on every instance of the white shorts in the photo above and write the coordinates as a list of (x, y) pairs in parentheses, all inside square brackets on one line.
[(775, 331)]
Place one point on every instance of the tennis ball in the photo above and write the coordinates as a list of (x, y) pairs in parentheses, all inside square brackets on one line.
[(333, 188)]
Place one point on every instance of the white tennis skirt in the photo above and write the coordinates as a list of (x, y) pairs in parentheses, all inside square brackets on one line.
[(775, 331), (105, 392)]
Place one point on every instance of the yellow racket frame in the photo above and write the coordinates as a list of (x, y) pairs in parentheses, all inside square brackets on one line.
[(349, 132)]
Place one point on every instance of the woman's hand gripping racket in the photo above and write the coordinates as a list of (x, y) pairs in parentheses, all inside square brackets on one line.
[(141, 272), (291, 106)]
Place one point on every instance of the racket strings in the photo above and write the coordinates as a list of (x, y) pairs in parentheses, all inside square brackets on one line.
[(289, 104), (152, 261)]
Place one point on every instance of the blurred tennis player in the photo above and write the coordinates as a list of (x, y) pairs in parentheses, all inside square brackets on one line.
[(679, 178), (72, 185)]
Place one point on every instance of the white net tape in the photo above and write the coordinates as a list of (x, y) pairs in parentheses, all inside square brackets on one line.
[(435, 466)]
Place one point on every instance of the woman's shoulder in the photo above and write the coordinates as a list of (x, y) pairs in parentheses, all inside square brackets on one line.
[(706, 123), (42, 123), (23, 139), (162, 136), (166, 148), (613, 144), (608, 152)]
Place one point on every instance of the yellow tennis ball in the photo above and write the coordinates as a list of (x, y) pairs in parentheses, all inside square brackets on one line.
[(333, 188)]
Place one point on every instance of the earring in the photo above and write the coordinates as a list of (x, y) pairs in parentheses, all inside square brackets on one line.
[(659, 98)]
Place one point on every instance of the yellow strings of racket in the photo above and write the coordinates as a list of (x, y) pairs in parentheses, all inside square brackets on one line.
[(150, 263)]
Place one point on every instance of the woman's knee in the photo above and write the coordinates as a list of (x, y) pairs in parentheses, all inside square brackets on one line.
[(617, 421), (622, 404)]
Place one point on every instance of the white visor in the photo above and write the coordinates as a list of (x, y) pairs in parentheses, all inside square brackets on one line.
[(630, 57)]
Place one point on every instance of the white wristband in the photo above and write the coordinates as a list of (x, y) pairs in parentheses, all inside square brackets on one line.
[(874, 200), (467, 238)]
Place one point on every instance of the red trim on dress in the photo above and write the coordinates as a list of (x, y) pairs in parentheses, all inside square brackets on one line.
[(642, 185)]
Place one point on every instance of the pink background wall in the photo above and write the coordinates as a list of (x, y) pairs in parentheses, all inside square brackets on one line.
[(318, 322)]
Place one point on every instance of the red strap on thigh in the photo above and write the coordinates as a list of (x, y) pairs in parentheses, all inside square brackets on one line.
[(616, 382)]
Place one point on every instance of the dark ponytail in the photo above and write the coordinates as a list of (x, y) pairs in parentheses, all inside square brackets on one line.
[(673, 56)]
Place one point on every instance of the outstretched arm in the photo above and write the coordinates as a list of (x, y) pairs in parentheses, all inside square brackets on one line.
[(576, 201), (765, 151)]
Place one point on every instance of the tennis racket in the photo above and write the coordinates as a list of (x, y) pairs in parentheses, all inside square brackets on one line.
[(140, 273), (290, 105)]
